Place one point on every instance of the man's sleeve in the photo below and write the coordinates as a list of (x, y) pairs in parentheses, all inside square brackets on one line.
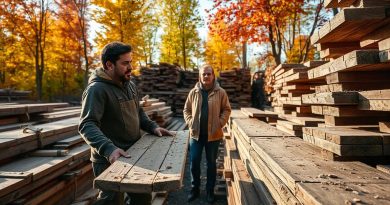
[(225, 109), (89, 127), (187, 111)]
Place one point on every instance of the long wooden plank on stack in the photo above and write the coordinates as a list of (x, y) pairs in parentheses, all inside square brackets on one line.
[(344, 141), (18, 109), (154, 166), (16, 142), (33, 172), (284, 156), (384, 48), (374, 100), (358, 60), (256, 113), (245, 192), (331, 98), (351, 24)]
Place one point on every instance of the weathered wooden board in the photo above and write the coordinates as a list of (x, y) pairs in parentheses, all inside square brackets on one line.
[(358, 60), (149, 156), (351, 24), (253, 128), (358, 77), (243, 183), (361, 150), (253, 112), (331, 98), (375, 100), (384, 127), (170, 175), (306, 121), (18, 109), (284, 156)]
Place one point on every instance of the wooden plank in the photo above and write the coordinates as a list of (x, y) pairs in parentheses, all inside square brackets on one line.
[(348, 135), (345, 150), (139, 178), (358, 60), (335, 52), (253, 112), (350, 111), (345, 193), (354, 120), (170, 175), (356, 86), (306, 121), (331, 98), (374, 100), (244, 186), (290, 125), (384, 56), (358, 77), (371, 40), (384, 127), (283, 156), (297, 133), (279, 191), (113, 175), (252, 128), (384, 44), (351, 24), (383, 168)]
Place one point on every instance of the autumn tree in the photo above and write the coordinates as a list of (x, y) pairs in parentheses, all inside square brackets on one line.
[(255, 21), (125, 21), (29, 20), (180, 41), (222, 55)]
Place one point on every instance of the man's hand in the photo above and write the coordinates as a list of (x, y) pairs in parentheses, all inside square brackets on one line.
[(159, 131), (116, 154)]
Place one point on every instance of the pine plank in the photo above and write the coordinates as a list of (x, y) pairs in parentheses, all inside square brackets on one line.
[(384, 44), (331, 98), (253, 112), (383, 168), (253, 128), (112, 176), (170, 175), (362, 150), (358, 60), (372, 39), (351, 24), (277, 188), (384, 127), (284, 156), (354, 120)]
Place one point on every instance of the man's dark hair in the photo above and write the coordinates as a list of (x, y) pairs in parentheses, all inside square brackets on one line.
[(112, 51)]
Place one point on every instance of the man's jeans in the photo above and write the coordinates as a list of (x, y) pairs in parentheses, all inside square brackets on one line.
[(196, 148)]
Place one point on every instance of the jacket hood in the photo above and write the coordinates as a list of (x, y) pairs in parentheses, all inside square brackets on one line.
[(198, 86), (98, 75)]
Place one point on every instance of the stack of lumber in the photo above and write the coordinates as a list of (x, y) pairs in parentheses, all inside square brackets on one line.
[(11, 95), (237, 85), (287, 170), (187, 82), (47, 163), (286, 84), (355, 41), (157, 111), (156, 165)]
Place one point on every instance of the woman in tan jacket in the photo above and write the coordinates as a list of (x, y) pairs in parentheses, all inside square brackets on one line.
[(206, 111)]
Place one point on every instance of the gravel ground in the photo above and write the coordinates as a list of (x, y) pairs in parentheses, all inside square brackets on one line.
[(179, 197)]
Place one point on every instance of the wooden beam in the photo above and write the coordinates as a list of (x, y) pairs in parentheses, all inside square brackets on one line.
[(331, 98)]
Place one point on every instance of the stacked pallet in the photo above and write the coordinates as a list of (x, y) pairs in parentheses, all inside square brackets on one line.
[(351, 41), (290, 170), (47, 163)]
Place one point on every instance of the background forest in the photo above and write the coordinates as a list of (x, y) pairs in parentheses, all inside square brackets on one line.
[(50, 46)]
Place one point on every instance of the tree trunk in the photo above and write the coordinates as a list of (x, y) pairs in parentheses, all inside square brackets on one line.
[(244, 58), (275, 54)]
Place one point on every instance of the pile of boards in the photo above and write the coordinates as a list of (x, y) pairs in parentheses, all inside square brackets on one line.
[(43, 159), (8, 95), (171, 84), (341, 104), (157, 111), (264, 165)]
